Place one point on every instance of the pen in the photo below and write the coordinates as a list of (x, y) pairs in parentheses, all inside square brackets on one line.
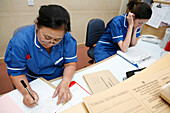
[(25, 86)]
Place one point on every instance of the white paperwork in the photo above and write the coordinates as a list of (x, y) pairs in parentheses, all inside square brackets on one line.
[(158, 15), (43, 90), (46, 103)]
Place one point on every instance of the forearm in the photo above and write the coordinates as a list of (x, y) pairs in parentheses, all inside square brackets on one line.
[(69, 70), (134, 39), (126, 42), (16, 81)]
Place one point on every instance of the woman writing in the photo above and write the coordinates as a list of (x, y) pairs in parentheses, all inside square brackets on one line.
[(46, 50)]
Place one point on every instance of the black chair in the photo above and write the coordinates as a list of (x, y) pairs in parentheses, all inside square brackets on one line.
[(95, 29)]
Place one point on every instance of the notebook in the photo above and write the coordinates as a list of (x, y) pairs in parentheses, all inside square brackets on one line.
[(137, 57)]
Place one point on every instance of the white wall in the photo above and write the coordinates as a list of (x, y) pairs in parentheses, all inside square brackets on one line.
[(123, 6)]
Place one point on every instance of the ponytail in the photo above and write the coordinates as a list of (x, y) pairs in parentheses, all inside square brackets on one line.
[(131, 4)]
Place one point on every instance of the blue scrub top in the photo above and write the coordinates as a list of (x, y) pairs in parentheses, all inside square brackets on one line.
[(40, 64), (115, 31)]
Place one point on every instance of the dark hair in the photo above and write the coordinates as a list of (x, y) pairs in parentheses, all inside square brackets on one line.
[(54, 16), (141, 9)]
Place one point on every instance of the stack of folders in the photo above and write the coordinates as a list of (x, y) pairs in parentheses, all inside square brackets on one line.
[(137, 57)]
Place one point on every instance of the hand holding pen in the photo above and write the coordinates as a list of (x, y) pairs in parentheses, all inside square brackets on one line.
[(30, 98)]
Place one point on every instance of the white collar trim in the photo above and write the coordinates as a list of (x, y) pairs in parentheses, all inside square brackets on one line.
[(35, 40), (125, 21), (58, 60)]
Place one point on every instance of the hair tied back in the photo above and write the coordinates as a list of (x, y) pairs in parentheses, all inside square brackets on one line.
[(131, 4)]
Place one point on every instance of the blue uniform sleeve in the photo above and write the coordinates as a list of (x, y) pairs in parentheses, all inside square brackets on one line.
[(138, 33), (70, 49), (15, 60), (116, 32)]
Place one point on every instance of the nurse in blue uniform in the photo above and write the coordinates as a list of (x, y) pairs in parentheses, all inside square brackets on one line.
[(45, 49), (122, 31)]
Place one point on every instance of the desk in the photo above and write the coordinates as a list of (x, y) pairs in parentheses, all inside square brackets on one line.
[(115, 64), (162, 1)]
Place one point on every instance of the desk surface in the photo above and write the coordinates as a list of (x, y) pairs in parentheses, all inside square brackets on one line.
[(115, 64), (162, 1)]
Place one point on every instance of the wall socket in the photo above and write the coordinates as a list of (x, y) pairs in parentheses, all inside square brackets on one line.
[(30, 2)]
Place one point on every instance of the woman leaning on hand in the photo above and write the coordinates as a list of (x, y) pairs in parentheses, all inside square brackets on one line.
[(122, 31)]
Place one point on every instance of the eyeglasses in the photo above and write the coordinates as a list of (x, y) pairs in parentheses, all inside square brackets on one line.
[(50, 42)]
